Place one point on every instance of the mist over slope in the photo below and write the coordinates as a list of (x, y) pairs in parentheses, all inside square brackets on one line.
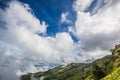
[(106, 68), (84, 31)]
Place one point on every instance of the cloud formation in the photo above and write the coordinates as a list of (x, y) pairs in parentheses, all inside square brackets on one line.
[(100, 32), (81, 5), (21, 46)]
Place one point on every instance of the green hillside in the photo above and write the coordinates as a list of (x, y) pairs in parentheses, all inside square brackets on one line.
[(115, 75), (106, 68)]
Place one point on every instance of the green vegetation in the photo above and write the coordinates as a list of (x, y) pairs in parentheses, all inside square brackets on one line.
[(26, 77), (115, 75), (106, 68)]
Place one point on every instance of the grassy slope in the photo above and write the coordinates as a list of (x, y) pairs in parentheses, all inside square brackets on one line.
[(115, 75), (93, 71)]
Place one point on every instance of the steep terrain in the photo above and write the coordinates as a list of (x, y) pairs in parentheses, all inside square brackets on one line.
[(106, 68)]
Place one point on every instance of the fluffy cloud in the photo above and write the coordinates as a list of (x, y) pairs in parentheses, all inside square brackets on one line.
[(21, 28), (61, 39), (100, 32), (21, 47), (9, 61), (81, 5)]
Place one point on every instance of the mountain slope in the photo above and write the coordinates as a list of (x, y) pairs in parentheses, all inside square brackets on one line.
[(106, 68), (115, 75)]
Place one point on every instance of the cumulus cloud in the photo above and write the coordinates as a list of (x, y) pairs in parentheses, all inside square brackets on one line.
[(61, 39), (21, 46), (22, 27), (100, 32), (22, 49), (81, 5), (9, 61)]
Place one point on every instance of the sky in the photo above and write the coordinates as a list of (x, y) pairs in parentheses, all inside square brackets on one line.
[(36, 35)]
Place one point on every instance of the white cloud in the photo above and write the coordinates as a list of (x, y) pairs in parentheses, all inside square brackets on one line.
[(22, 26), (23, 18), (19, 28), (97, 34), (21, 31), (64, 42), (9, 61), (81, 5), (64, 18), (100, 32)]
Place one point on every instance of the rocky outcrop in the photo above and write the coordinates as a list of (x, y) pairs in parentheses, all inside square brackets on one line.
[(116, 50)]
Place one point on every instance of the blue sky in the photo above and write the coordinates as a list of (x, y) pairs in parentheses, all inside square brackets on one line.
[(50, 12), (55, 32)]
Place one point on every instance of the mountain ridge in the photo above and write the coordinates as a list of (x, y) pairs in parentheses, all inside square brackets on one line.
[(101, 69)]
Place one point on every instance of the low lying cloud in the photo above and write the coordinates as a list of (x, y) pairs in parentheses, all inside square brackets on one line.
[(10, 61)]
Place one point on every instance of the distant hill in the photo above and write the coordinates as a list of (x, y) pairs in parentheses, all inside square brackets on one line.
[(106, 68)]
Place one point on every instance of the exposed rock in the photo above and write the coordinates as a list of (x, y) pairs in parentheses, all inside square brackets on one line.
[(116, 50)]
